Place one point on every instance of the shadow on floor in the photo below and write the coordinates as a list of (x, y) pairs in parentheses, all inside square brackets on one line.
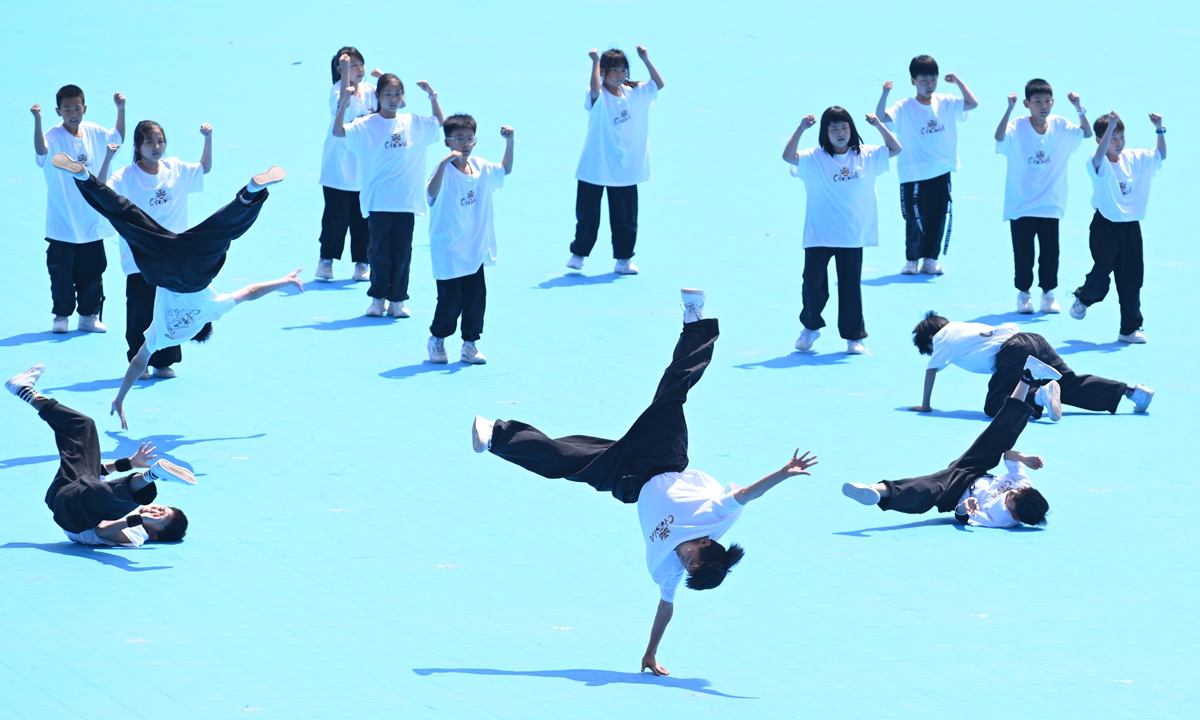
[(899, 278), (110, 384), (165, 447), (310, 285), (344, 323), (424, 367), (797, 359), (1010, 317), (1078, 346), (104, 557), (595, 678), (952, 414), (573, 279), (906, 526)]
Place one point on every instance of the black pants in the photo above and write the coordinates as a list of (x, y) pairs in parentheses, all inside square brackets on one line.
[(183, 262), (1089, 392), (925, 205), (1023, 230), (466, 296), (343, 212), (76, 272), (1117, 251), (815, 290), (622, 218), (139, 313), (944, 488), (390, 254), (78, 497), (656, 443)]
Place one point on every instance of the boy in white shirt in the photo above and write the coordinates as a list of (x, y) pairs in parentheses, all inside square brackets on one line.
[(1035, 190), (462, 236), (965, 487), (683, 513), (1001, 352), (926, 126), (89, 509), (75, 256), (1120, 193)]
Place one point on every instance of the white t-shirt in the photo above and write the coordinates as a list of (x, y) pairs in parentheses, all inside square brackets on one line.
[(842, 209), (928, 134), (990, 492), (971, 346), (179, 316), (162, 196), (339, 166), (462, 233), (676, 507), (134, 536), (1036, 183), (1121, 190), (68, 216), (616, 152), (391, 156)]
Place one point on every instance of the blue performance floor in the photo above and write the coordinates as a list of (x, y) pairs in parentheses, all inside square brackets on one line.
[(350, 557)]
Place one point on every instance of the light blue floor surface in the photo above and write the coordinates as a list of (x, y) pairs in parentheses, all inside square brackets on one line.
[(350, 557)]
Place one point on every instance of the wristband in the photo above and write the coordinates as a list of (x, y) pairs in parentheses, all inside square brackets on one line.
[(1161, 131), (1082, 111), (133, 521), (123, 465), (433, 96)]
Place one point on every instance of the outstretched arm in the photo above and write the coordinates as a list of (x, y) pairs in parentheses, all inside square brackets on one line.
[(1073, 98), (1003, 126), (661, 618), (930, 377), (506, 132), (119, 99), (435, 106), (1105, 142), (39, 139), (881, 106), (645, 56), (1032, 462), (137, 366), (893, 145), (1162, 136), (109, 151), (798, 465), (790, 155), (206, 155), (257, 290), (339, 118), (969, 101), (594, 83)]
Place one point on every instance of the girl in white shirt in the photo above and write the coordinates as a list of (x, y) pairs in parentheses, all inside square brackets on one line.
[(615, 155)]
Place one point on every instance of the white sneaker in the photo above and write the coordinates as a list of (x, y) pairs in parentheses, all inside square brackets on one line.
[(470, 354), (167, 471), (63, 161), (324, 269), (931, 267), (398, 309), (1137, 337), (1049, 304), (91, 323), (1078, 309), (29, 378), (362, 272), (910, 268), (693, 304), (1024, 303), (60, 324), (164, 372), (437, 350), (481, 433), (864, 494), (855, 347), (1038, 373), (625, 267), (376, 309), (1049, 396), (805, 342), (270, 176), (1141, 398), (576, 262)]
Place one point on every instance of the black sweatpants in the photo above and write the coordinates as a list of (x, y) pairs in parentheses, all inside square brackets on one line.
[(1117, 251), (390, 254), (183, 262), (622, 218), (656, 443), (944, 488), (78, 497), (139, 313), (815, 289), (76, 273), (925, 205), (1089, 392), (466, 296), (343, 212), (1023, 231)]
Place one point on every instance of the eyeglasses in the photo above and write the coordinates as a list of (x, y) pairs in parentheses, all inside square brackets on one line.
[(468, 139)]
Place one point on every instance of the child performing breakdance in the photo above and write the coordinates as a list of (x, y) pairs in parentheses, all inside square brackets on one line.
[(181, 265), (683, 513), (90, 510)]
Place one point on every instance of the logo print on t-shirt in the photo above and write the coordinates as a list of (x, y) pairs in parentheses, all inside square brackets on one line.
[(844, 174), (397, 141), (179, 321), (623, 117), (1125, 188), (932, 127), (1039, 158), (663, 531), (83, 158), (469, 199), (161, 197)]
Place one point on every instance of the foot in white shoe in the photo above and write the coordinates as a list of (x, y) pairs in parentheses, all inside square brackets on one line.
[(625, 267), (1137, 337), (63, 161), (855, 347), (1049, 396), (164, 372), (1049, 304), (1038, 373), (362, 272), (398, 309), (693, 304), (437, 350), (271, 176), (864, 494), (470, 354), (1141, 398), (576, 262), (481, 433), (167, 471), (805, 342), (1024, 303), (324, 269), (910, 268), (91, 323), (60, 324), (26, 379), (931, 267), (1078, 310), (376, 308)]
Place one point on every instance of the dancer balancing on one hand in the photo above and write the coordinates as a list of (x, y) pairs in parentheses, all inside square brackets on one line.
[(181, 265), (683, 513)]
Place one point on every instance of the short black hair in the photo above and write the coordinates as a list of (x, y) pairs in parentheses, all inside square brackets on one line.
[(458, 121), (923, 333), (1101, 126), (345, 50), (922, 65), (717, 562), (829, 117), (204, 334), (383, 81), (68, 91), (176, 529), (1037, 86), (1030, 505)]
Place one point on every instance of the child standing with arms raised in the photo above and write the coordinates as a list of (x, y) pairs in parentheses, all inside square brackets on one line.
[(615, 155)]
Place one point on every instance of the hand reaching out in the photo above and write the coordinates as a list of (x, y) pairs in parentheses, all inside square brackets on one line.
[(1073, 98), (1012, 101), (424, 85), (118, 410), (119, 100), (799, 464), (594, 54), (807, 122), (649, 663), (144, 456), (506, 132), (887, 87), (36, 110), (291, 279), (643, 53), (206, 130), (1154, 118)]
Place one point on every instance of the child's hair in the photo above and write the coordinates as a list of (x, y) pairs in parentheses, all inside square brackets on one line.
[(1037, 86), (1031, 507), (336, 67), (68, 91), (717, 563), (829, 117), (923, 333), (614, 59), (1101, 126), (141, 132), (385, 80), (458, 121), (204, 334), (922, 65), (176, 529)]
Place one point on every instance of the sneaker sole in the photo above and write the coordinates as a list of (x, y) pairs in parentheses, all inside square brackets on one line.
[(27, 378), (476, 361), (176, 473), (1055, 408), (478, 427), (1046, 372), (861, 495), (63, 161), (273, 175)]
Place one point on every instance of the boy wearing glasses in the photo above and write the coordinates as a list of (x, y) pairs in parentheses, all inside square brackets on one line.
[(462, 235)]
